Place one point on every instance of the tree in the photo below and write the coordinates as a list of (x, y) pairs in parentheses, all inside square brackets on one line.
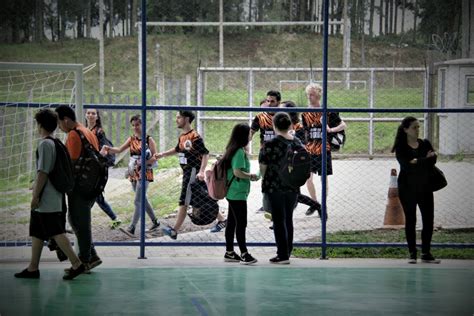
[(371, 17), (133, 17), (39, 21), (88, 19)]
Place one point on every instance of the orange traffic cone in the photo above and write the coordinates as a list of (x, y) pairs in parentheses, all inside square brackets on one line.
[(394, 216)]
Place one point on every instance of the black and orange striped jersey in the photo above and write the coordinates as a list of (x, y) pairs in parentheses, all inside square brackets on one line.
[(299, 132), (264, 123), (313, 130), (136, 150), (190, 149)]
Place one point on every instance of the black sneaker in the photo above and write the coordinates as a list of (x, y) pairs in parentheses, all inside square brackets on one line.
[(232, 257), (86, 271), (130, 231), (25, 274), (154, 226), (428, 258), (278, 260), (312, 209), (171, 232), (95, 261), (247, 259), (412, 259), (74, 272)]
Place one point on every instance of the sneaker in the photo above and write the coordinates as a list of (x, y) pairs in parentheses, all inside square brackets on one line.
[(154, 226), (171, 232), (247, 259), (260, 210), (412, 259), (72, 273), (278, 260), (25, 274), (268, 215), (95, 261), (428, 258), (232, 257), (219, 226), (312, 209), (115, 223), (130, 231), (86, 271)]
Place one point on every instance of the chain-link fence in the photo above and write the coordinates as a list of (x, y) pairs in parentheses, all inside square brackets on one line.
[(357, 200), (371, 87)]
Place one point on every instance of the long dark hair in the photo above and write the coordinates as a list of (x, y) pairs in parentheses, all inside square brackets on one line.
[(98, 122), (401, 137), (239, 138)]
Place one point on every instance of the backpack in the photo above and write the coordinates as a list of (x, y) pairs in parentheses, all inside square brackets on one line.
[(103, 140), (90, 170), (338, 139), (204, 208), (295, 167), (216, 180), (62, 175)]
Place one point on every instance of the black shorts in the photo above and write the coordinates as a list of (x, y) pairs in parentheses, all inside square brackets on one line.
[(46, 225), (185, 189), (316, 164)]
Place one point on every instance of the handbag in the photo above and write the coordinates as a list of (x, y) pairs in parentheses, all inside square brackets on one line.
[(437, 179)]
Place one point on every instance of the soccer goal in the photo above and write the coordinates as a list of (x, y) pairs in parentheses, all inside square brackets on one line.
[(25, 88)]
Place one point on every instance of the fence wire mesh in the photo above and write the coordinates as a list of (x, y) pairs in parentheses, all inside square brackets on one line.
[(357, 197)]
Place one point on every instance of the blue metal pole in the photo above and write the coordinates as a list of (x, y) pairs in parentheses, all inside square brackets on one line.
[(143, 153), (324, 123)]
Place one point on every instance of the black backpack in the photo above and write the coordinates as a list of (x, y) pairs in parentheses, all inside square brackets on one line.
[(204, 208), (103, 140), (338, 139), (62, 175), (90, 170), (295, 167)]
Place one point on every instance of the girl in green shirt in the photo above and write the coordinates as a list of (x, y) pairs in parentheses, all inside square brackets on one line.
[(237, 165)]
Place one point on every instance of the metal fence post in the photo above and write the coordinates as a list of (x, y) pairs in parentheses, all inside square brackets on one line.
[(371, 114)]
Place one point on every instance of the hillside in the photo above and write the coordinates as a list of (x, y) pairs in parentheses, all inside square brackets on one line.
[(181, 54)]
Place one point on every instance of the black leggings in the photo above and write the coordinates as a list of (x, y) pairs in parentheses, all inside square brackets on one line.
[(304, 199), (282, 205), (236, 225), (425, 202)]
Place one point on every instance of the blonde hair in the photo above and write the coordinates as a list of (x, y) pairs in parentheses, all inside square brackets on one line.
[(314, 86)]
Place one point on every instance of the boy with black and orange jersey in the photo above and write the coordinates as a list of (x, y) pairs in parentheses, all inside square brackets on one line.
[(190, 149), (312, 124), (193, 156), (299, 132), (263, 122)]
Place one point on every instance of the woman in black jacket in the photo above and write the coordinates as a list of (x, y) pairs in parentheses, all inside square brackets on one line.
[(417, 158)]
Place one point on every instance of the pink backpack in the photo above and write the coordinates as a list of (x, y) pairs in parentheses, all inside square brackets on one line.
[(216, 180)]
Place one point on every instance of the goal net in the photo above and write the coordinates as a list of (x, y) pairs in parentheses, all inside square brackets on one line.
[(24, 89)]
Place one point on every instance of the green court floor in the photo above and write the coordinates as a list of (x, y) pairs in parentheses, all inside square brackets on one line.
[(242, 290)]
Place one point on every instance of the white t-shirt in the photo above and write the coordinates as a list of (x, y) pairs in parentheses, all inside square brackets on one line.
[(50, 199)]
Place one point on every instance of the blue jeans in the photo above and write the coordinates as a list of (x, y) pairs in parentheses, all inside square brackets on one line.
[(137, 187), (282, 205), (79, 216), (100, 200)]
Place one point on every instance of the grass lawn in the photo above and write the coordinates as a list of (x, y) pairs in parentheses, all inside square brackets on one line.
[(439, 236)]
